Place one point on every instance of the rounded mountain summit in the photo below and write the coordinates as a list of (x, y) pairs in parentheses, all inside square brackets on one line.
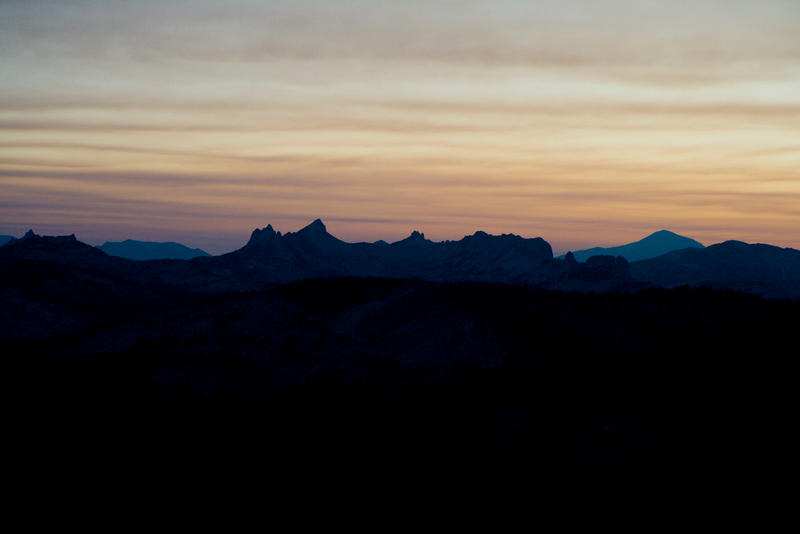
[(654, 245)]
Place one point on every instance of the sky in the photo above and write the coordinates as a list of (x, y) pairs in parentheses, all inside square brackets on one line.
[(585, 122)]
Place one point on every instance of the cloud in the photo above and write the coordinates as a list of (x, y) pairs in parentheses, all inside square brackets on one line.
[(544, 33), (560, 117)]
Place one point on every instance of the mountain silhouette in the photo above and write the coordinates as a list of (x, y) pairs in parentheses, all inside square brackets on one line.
[(754, 268), (150, 250), (655, 244), (31, 241), (313, 252), (420, 350), (271, 258), (5, 239)]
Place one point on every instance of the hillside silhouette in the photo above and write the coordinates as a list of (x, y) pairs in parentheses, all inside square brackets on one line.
[(656, 244), (270, 258), (754, 268), (150, 250)]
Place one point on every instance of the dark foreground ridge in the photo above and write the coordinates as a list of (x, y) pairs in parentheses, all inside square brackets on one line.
[(463, 354), (667, 386)]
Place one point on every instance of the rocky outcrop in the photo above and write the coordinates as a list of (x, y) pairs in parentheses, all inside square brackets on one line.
[(313, 252), (33, 241)]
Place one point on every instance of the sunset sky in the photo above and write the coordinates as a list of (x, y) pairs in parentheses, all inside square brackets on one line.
[(585, 122)]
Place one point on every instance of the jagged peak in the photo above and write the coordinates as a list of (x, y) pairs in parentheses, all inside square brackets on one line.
[(316, 232), (267, 230), (33, 240), (415, 237), (317, 227), (483, 235), (263, 234), (31, 235)]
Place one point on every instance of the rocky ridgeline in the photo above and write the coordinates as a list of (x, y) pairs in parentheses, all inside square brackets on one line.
[(313, 252), (271, 257)]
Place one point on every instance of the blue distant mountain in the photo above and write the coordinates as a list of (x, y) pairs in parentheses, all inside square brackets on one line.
[(654, 245), (5, 239), (149, 250)]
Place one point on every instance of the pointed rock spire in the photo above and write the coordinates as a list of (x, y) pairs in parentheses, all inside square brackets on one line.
[(317, 227), (263, 235)]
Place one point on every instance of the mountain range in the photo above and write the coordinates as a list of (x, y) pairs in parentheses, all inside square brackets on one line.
[(479, 351), (150, 250), (759, 269), (652, 246), (270, 258)]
